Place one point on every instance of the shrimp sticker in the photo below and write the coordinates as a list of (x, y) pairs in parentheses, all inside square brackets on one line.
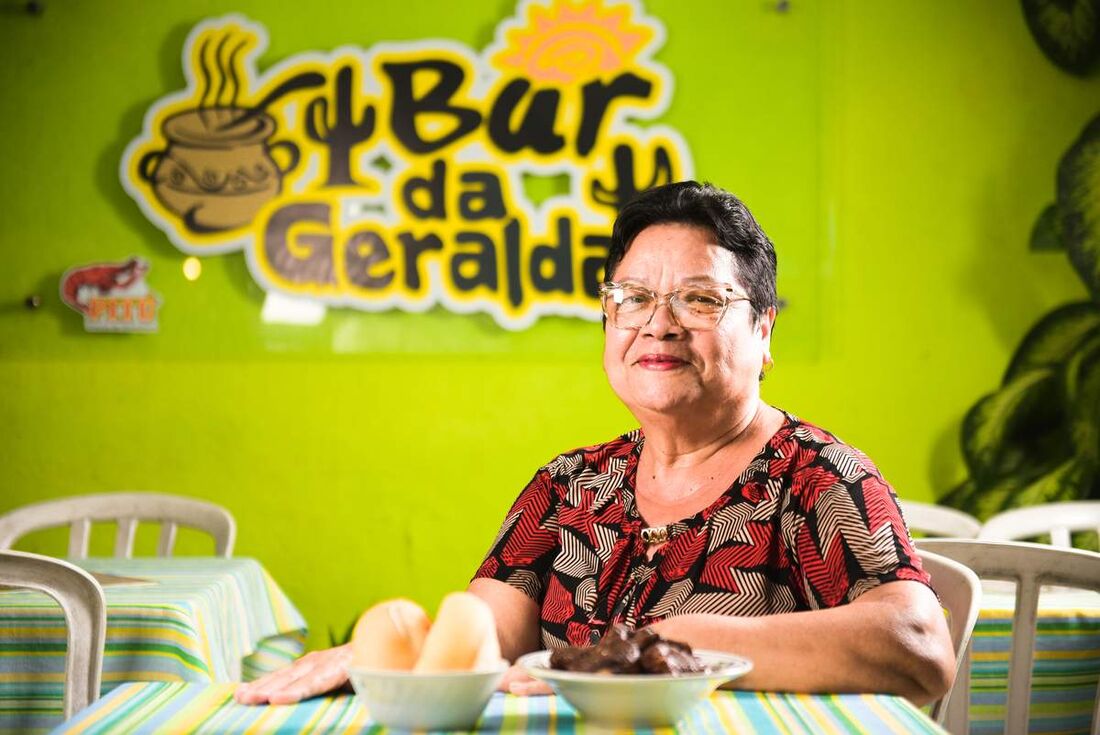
[(112, 297)]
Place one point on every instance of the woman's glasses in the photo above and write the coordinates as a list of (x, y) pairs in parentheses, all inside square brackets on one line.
[(632, 305)]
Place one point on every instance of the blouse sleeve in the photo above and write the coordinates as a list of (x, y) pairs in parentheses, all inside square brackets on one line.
[(847, 534), (525, 546)]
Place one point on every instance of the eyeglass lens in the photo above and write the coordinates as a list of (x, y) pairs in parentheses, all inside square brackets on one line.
[(633, 306)]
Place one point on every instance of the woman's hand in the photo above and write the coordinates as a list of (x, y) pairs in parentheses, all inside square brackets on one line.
[(315, 673), (517, 681)]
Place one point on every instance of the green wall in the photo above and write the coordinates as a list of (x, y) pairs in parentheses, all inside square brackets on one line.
[(897, 153)]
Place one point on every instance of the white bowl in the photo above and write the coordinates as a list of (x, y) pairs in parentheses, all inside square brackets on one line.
[(415, 701), (636, 700)]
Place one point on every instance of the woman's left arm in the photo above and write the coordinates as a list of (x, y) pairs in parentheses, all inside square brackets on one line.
[(892, 638)]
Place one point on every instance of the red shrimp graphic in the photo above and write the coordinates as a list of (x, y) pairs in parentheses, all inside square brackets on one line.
[(82, 284)]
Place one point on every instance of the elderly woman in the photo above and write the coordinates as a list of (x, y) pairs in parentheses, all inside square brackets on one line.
[(722, 522)]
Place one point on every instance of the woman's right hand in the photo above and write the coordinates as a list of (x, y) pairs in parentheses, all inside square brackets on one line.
[(315, 673)]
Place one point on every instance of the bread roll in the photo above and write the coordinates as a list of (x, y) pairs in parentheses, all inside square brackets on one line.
[(389, 636), (463, 638)]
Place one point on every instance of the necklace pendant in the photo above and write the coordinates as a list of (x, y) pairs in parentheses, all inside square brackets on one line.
[(654, 535)]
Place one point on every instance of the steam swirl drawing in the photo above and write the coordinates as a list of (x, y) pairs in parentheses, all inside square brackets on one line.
[(219, 165)]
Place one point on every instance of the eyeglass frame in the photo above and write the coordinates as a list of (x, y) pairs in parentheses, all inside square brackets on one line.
[(666, 298)]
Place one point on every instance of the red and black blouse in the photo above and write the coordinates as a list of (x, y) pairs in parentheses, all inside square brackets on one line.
[(809, 524)]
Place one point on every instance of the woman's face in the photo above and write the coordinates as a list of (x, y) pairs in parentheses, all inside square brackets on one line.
[(663, 368)]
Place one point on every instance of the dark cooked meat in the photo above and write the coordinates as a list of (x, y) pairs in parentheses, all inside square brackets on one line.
[(623, 651), (669, 657)]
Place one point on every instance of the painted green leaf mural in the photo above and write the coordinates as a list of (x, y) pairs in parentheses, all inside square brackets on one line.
[(983, 501), (1046, 236), (1079, 205), (1054, 338), (1003, 420), (1036, 439), (1068, 31), (1083, 399), (1069, 481)]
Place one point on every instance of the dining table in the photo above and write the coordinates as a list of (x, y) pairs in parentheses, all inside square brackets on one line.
[(209, 708), (1066, 665), (201, 620)]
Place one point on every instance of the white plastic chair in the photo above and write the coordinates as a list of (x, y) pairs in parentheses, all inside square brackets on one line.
[(81, 599), (1057, 519), (939, 520), (960, 593), (1030, 566), (79, 511)]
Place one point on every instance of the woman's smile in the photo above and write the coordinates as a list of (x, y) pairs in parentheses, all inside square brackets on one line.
[(657, 361)]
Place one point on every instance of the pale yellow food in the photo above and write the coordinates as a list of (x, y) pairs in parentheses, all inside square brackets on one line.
[(390, 636), (463, 637)]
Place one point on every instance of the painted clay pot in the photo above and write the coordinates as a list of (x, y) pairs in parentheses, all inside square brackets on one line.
[(218, 168)]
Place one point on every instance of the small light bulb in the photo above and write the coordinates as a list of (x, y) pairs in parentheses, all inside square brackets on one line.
[(192, 268)]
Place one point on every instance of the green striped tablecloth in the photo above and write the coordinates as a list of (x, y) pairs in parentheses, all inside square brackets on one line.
[(147, 708), (198, 619), (1066, 666)]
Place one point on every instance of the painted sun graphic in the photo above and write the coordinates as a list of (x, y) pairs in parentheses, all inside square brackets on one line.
[(569, 41)]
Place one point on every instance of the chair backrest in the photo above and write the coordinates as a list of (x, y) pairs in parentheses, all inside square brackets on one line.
[(960, 593), (939, 520), (1030, 566), (1057, 519), (81, 599), (126, 509)]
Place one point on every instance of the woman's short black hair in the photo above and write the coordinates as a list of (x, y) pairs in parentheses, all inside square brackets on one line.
[(689, 202)]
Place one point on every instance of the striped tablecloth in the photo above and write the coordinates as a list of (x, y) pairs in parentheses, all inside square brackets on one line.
[(1066, 667), (197, 619), (147, 708)]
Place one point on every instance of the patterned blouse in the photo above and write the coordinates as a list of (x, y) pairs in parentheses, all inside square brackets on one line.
[(809, 524)]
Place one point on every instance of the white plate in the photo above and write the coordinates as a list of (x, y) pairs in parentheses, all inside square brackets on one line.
[(406, 700), (636, 700)]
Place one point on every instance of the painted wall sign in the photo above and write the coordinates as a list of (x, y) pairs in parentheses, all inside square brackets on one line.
[(398, 175), (113, 297)]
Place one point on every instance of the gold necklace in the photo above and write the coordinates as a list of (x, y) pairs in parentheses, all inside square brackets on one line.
[(653, 535)]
